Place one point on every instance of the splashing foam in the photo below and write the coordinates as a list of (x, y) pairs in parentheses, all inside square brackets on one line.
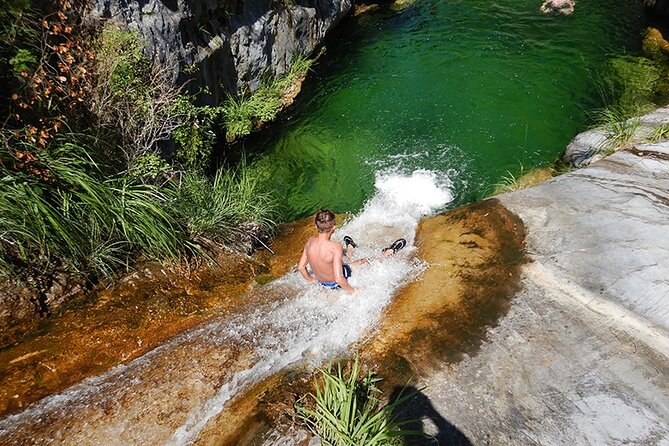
[(320, 323), (303, 325)]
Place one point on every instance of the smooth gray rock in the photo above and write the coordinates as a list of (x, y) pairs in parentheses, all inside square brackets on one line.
[(592, 145), (582, 357), (605, 228), (225, 46)]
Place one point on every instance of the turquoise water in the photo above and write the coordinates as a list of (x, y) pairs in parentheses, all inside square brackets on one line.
[(468, 89)]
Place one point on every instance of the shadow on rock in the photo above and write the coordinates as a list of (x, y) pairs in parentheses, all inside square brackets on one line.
[(421, 416)]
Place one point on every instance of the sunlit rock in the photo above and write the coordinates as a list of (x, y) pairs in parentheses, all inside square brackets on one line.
[(558, 6), (593, 145)]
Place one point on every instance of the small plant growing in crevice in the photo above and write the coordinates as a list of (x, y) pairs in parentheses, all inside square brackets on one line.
[(659, 134), (523, 179), (346, 410), (243, 114), (620, 129)]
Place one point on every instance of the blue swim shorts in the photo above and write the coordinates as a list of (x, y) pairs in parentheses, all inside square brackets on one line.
[(346, 272)]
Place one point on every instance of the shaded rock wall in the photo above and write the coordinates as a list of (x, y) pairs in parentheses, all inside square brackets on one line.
[(225, 45), (658, 8)]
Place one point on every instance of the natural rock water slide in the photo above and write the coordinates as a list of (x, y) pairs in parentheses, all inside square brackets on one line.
[(539, 317), (582, 356), (170, 394)]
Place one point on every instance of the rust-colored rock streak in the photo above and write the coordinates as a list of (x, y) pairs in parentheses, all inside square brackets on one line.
[(142, 311), (475, 256)]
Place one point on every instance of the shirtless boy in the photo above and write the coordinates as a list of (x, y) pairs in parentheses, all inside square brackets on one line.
[(331, 267)]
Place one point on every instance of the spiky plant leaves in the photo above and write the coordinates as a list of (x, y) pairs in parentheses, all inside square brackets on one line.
[(347, 412)]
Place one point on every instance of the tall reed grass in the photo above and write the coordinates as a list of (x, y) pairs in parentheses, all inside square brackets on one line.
[(225, 209), (62, 211), (345, 411)]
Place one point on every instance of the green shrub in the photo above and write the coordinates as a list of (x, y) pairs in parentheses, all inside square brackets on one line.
[(243, 114), (195, 136), (235, 204), (65, 212), (629, 85), (148, 168), (22, 61), (346, 411)]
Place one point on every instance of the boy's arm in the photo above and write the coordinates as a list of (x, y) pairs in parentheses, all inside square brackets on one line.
[(302, 266), (338, 270)]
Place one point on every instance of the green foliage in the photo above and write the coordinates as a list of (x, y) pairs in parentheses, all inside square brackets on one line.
[(148, 167), (629, 85), (509, 182), (17, 27), (128, 68), (347, 412), (241, 115), (22, 61), (238, 115), (65, 212), (620, 128), (660, 133), (195, 137), (19, 42), (232, 206)]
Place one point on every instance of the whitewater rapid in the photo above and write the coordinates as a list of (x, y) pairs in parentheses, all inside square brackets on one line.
[(168, 395)]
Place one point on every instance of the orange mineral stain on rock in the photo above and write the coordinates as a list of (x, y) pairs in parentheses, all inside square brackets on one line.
[(140, 312), (474, 255)]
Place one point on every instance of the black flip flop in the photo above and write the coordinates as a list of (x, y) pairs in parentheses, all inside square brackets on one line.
[(349, 241), (396, 245)]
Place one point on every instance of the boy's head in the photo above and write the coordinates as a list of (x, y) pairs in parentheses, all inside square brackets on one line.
[(325, 220)]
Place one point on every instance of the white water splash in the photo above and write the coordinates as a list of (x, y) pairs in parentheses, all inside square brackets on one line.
[(170, 394)]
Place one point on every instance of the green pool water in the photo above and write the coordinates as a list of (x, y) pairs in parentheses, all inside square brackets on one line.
[(468, 89)]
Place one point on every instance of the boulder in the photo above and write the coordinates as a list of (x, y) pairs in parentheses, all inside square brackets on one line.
[(225, 46), (592, 145)]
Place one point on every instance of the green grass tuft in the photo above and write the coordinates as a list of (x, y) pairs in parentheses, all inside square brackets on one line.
[(64, 212), (346, 411), (229, 208), (619, 127)]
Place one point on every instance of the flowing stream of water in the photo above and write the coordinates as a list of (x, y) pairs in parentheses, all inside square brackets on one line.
[(413, 109), (168, 395)]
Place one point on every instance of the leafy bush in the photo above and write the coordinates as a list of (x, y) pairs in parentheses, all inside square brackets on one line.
[(61, 211), (347, 412), (195, 136), (629, 85), (229, 208), (243, 114)]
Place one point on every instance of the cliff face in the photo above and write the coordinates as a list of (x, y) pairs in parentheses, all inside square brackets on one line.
[(658, 8), (226, 45)]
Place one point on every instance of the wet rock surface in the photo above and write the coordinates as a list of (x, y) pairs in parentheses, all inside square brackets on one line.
[(113, 326), (579, 354), (541, 318)]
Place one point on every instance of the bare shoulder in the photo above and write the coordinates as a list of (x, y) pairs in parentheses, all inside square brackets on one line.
[(335, 246)]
